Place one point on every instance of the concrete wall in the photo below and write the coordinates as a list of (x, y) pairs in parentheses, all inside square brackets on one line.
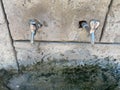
[(60, 37), (7, 55)]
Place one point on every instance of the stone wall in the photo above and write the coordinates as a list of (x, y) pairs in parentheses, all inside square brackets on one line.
[(60, 37)]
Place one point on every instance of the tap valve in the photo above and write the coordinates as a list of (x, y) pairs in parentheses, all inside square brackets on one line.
[(94, 24), (34, 26)]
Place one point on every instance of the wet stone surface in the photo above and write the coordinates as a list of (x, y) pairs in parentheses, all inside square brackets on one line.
[(99, 74)]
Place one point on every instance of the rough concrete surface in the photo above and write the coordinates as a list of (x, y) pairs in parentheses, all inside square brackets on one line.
[(60, 18), (63, 51), (7, 59), (112, 28), (61, 57), (2, 20)]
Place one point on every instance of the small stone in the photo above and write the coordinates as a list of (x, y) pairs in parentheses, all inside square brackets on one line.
[(17, 86)]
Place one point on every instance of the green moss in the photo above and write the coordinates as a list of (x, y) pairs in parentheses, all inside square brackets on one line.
[(5, 76), (55, 75), (79, 74), (89, 77)]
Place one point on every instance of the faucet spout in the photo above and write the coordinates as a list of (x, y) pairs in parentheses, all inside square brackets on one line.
[(34, 26), (32, 37), (92, 38)]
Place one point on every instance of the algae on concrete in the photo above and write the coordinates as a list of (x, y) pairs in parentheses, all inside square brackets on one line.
[(55, 75)]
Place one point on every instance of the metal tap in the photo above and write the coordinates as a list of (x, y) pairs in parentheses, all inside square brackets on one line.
[(34, 26), (91, 29), (94, 24)]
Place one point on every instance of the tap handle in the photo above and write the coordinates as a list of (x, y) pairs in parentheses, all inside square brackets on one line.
[(34, 24), (94, 24)]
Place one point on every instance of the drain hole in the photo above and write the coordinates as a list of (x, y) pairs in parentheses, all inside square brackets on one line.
[(81, 23)]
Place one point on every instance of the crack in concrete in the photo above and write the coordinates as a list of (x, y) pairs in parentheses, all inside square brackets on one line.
[(105, 21), (11, 39)]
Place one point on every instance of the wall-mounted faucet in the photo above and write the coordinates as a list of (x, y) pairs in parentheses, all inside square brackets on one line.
[(94, 24), (34, 26)]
